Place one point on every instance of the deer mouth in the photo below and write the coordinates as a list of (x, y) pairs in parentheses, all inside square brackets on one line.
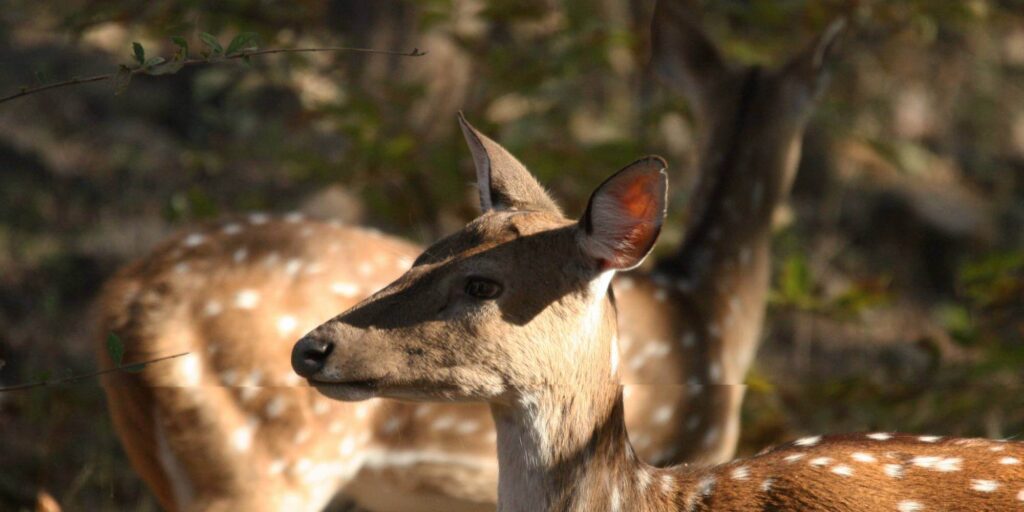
[(349, 391)]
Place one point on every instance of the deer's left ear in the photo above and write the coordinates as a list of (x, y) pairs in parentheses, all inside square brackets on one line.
[(624, 215), (503, 182)]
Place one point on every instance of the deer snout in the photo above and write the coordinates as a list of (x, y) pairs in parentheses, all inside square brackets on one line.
[(309, 355)]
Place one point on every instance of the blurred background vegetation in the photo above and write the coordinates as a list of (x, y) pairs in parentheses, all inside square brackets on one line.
[(898, 290)]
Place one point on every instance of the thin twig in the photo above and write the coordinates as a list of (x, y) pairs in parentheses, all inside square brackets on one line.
[(75, 378), (25, 91)]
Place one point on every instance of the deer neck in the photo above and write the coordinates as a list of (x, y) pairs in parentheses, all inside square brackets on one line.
[(558, 441), (557, 449)]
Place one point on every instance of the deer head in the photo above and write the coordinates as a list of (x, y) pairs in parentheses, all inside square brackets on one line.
[(487, 314)]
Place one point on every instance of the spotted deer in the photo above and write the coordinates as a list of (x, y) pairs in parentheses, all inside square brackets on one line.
[(206, 430), (515, 311)]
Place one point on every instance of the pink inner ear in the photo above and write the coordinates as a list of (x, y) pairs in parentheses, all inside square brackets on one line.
[(626, 215)]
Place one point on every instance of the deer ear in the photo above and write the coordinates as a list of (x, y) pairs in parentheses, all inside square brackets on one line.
[(624, 215), (808, 69), (503, 182), (682, 55)]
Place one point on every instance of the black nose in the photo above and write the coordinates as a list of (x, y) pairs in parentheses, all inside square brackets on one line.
[(310, 355)]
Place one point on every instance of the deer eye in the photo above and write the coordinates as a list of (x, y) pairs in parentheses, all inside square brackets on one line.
[(481, 288)]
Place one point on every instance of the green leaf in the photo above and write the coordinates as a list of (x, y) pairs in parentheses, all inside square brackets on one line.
[(140, 53), (182, 47), (211, 41), (115, 348), (134, 368), (243, 41), (122, 79), (155, 61)]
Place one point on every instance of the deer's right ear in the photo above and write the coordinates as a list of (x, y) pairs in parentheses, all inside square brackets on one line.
[(624, 215), (504, 183), (682, 55)]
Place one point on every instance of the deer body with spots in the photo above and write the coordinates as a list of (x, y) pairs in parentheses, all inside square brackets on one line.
[(540, 348), (229, 417)]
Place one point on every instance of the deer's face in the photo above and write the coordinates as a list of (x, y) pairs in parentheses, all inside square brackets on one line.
[(475, 318), (507, 303)]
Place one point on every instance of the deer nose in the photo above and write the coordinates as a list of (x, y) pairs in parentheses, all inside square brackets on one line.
[(309, 355)]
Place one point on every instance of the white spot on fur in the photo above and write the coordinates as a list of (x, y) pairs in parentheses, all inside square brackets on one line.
[(365, 269), (190, 371), (231, 229), (467, 427), (258, 218), (1020, 495), (766, 485), (348, 445), (928, 439), (391, 425), (1009, 460), (181, 268), (807, 441), (286, 324), (240, 255), (241, 437), (668, 483), (643, 477), (276, 406), (943, 464), (293, 217), (740, 473), (909, 506), (228, 377), (820, 461), (212, 308), (662, 414), (194, 240), (301, 436), (293, 266), (247, 299), (443, 423), (863, 457), (842, 470), (706, 485), (880, 436), (984, 485), (276, 466), (714, 372), (347, 290), (893, 470), (321, 407), (793, 458), (711, 437)]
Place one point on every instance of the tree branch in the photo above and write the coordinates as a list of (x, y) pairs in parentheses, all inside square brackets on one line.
[(74, 378), (149, 70)]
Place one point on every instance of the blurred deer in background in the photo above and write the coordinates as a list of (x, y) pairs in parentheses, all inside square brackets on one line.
[(707, 300), (209, 429), (515, 310)]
